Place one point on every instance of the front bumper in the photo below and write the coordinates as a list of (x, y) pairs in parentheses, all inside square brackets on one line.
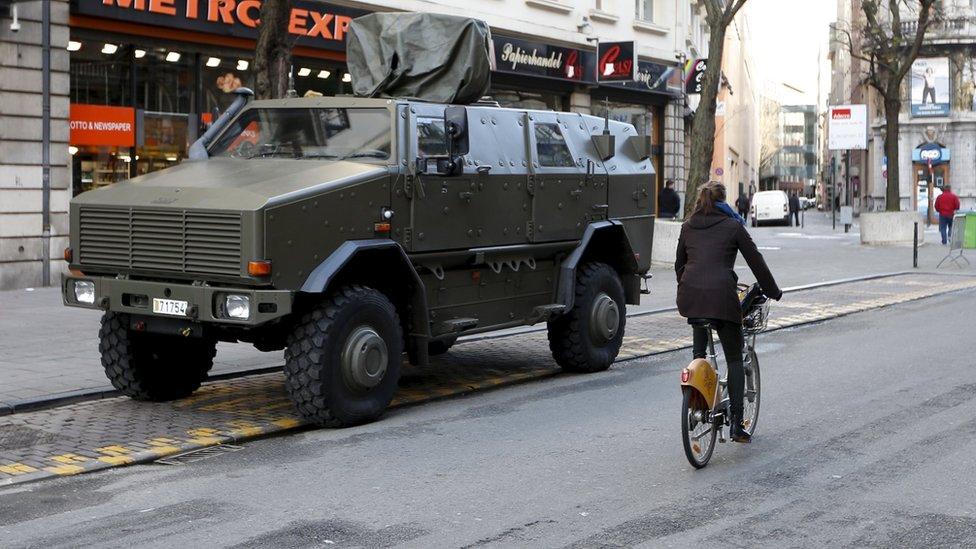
[(135, 297)]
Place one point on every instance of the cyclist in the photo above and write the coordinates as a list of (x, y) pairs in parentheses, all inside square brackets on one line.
[(707, 248)]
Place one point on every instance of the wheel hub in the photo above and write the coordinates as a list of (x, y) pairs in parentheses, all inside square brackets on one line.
[(364, 358), (604, 318)]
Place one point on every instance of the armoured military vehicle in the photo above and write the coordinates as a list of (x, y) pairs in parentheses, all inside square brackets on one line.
[(353, 231)]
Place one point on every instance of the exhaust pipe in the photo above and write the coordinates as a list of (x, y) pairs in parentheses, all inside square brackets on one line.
[(198, 150)]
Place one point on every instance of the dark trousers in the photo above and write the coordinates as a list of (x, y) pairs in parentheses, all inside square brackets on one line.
[(730, 334), (928, 93), (945, 228), (795, 216)]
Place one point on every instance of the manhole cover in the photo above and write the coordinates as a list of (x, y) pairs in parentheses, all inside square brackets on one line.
[(15, 437)]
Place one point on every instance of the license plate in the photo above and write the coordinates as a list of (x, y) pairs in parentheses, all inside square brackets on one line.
[(169, 307)]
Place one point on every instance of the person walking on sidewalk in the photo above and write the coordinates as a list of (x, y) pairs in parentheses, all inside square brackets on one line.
[(668, 201), (794, 209), (708, 244), (742, 205), (946, 204)]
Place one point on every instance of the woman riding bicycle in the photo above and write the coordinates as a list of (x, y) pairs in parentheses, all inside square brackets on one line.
[(707, 248)]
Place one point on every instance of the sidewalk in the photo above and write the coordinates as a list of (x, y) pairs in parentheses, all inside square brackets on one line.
[(48, 350)]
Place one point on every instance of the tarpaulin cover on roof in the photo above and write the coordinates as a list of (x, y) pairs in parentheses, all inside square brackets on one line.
[(432, 57)]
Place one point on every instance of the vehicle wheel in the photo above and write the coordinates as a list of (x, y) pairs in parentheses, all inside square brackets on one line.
[(697, 434), (587, 338), (750, 401), (440, 346), (343, 359), (152, 367)]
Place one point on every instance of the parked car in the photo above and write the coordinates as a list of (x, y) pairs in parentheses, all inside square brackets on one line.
[(770, 206), (807, 203)]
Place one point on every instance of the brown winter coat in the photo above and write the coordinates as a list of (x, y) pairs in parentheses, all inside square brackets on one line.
[(704, 264)]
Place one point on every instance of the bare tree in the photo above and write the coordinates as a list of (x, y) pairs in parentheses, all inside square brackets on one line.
[(719, 14), (770, 135), (889, 47), (272, 55)]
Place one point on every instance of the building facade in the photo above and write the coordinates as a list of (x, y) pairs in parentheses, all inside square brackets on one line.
[(937, 140), (133, 83), (795, 165), (735, 160)]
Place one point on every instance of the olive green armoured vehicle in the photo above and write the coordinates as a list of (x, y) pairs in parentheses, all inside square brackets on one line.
[(353, 231)]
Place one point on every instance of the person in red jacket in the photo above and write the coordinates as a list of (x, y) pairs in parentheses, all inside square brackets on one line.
[(946, 205)]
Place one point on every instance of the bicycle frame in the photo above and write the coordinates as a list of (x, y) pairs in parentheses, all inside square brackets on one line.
[(702, 375)]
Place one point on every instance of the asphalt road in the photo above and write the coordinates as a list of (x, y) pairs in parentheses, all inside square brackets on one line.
[(866, 438)]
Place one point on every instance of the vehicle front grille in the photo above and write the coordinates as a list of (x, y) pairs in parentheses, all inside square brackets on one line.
[(161, 240)]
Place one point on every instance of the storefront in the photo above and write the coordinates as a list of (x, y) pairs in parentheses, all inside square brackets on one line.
[(534, 75), (168, 68), (642, 103)]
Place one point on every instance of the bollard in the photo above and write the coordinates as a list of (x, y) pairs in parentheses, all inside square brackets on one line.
[(915, 248)]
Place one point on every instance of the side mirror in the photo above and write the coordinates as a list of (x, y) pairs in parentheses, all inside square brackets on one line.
[(456, 127)]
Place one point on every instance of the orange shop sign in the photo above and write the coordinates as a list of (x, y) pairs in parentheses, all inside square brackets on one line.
[(101, 125)]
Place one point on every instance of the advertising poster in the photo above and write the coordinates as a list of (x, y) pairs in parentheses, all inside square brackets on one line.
[(930, 87)]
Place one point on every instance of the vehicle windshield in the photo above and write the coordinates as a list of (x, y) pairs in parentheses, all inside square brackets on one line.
[(307, 133)]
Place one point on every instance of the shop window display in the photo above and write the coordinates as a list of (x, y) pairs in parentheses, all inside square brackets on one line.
[(176, 89)]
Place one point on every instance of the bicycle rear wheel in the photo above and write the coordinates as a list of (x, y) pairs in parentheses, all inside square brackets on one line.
[(697, 433), (750, 399)]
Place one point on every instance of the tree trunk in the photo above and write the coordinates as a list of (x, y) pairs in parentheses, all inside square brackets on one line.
[(703, 129), (893, 191), (272, 55)]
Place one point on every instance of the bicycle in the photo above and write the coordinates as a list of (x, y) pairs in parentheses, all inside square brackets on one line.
[(704, 395)]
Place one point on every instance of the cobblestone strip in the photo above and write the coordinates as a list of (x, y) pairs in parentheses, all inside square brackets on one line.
[(100, 434)]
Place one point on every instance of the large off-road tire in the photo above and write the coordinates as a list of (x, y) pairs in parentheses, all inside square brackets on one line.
[(587, 338), (152, 367), (343, 358)]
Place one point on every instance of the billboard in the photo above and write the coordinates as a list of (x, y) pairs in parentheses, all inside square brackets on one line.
[(847, 128), (930, 87)]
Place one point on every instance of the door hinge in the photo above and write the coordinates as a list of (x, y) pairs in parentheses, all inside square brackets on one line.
[(530, 229), (530, 184)]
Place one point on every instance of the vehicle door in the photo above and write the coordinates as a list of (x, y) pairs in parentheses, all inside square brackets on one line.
[(565, 194), (484, 205)]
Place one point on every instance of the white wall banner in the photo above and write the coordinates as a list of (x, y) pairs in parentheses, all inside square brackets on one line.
[(847, 127)]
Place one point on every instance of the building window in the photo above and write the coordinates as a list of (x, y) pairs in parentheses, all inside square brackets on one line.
[(550, 146), (607, 5), (644, 10)]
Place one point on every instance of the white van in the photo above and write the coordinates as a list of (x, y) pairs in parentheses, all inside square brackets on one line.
[(770, 206)]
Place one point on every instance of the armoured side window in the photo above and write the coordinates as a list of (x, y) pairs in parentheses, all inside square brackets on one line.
[(431, 137), (551, 147)]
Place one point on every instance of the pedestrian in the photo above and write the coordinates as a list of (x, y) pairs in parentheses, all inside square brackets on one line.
[(946, 205), (704, 263), (794, 209), (742, 205), (668, 201)]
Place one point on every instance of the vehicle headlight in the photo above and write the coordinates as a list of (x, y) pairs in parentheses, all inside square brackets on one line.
[(237, 306), (84, 291)]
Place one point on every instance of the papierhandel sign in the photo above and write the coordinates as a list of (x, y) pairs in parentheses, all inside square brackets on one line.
[(316, 24)]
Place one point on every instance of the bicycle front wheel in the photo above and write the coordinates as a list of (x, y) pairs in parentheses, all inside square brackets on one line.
[(697, 432), (750, 400)]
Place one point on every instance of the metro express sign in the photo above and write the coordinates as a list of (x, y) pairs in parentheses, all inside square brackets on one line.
[(316, 24)]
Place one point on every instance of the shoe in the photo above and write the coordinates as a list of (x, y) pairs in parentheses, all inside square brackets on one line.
[(738, 433)]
